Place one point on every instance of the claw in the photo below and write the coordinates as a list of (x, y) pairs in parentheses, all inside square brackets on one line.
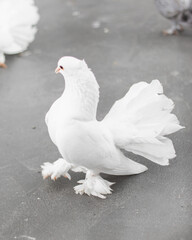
[(167, 33), (175, 33), (67, 176), (57, 169), (94, 185), (3, 65)]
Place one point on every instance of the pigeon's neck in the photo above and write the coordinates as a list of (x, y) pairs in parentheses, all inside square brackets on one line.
[(81, 95)]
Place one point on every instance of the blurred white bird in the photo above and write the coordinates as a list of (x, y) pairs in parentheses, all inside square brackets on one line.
[(17, 31), (137, 123), (179, 12)]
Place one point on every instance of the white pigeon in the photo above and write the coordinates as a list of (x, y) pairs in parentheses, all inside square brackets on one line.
[(179, 12), (17, 30), (138, 123)]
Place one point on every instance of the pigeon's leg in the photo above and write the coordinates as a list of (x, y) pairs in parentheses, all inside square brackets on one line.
[(2, 60), (75, 168), (180, 28), (173, 30), (94, 185), (57, 169)]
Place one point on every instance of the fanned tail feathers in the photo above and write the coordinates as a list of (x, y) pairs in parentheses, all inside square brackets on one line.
[(141, 119)]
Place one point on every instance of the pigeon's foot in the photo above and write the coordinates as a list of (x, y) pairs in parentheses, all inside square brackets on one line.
[(94, 185), (170, 31), (3, 65), (57, 169), (180, 28)]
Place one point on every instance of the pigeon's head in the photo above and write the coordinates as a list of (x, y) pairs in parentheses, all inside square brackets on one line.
[(69, 65), (185, 19)]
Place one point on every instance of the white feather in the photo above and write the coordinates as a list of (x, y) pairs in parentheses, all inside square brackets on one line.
[(17, 20), (148, 115)]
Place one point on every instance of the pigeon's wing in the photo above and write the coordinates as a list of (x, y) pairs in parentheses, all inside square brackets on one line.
[(17, 20), (95, 149), (171, 8), (141, 119)]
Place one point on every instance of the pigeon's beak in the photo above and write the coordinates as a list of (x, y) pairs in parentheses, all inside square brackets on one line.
[(57, 69)]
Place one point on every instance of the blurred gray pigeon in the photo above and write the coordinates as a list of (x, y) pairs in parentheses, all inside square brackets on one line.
[(17, 30), (179, 12)]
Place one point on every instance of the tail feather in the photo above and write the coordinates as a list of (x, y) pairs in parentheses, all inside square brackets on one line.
[(158, 153), (140, 120)]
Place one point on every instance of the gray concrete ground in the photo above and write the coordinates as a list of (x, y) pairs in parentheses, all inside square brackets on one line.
[(122, 43)]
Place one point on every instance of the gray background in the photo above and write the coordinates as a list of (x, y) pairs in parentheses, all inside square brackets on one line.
[(127, 47)]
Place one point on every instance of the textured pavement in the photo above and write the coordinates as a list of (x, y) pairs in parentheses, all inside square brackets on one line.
[(122, 43)]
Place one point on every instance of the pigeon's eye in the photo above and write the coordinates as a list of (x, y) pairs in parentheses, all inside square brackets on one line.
[(185, 18), (61, 67)]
